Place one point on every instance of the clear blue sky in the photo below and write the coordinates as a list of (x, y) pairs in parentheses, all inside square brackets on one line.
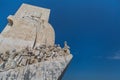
[(92, 29)]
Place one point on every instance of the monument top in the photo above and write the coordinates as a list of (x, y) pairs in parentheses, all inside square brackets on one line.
[(28, 27), (27, 10)]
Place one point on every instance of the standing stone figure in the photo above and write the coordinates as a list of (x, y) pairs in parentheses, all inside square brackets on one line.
[(66, 48)]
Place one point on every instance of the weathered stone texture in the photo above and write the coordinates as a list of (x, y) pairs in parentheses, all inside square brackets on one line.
[(29, 26), (48, 70), (27, 47)]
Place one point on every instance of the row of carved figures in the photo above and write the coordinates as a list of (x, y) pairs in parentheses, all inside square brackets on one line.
[(27, 56)]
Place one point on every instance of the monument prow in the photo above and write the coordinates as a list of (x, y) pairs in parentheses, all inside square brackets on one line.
[(27, 47)]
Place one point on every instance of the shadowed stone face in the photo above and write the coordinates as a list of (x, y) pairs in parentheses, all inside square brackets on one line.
[(29, 26)]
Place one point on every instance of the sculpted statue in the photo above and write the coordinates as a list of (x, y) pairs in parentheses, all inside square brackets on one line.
[(66, 48), (27, 56), (27, 48)]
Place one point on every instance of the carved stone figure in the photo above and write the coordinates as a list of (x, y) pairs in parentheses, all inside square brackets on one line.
[(5, 56), (27, 49), (66, 48)]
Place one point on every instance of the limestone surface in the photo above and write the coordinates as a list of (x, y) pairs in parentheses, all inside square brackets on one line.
[(27, 47), (29, 26)]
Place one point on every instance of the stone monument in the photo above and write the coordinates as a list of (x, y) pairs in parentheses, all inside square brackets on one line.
[(27, 47)]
